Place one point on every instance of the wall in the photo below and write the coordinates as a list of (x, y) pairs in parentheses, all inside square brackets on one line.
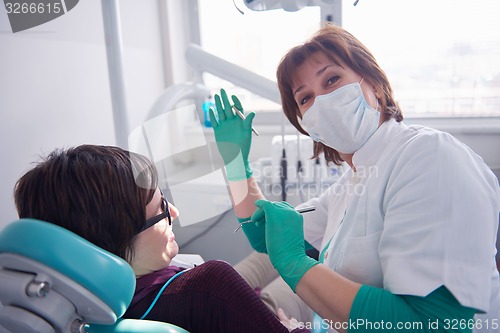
[(54, 88)]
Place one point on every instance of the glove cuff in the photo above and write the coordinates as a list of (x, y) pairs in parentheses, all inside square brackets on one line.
[(238, 169), (293, 272), (243, 219)]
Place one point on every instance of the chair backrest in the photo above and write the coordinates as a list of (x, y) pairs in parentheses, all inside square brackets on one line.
[(53, 281)]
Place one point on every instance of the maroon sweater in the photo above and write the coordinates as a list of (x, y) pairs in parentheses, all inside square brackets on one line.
[(211, 297)]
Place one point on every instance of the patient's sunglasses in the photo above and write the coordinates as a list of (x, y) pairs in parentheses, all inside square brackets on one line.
[(155, 219)]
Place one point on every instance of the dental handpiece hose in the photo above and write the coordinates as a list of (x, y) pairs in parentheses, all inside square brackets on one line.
[(283, 174), (283, 162), (317, 166)]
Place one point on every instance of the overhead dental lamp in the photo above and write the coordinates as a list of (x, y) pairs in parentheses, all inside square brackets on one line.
[(287, 5), (331, 10)]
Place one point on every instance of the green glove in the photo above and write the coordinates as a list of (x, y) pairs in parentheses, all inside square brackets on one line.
[(285, 241), (256, 234), (233, 136)]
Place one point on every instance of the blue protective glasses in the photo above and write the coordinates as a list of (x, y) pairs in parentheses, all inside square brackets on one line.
[(155, 219)]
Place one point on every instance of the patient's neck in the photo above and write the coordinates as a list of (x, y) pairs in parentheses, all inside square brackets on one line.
[(141, 269)]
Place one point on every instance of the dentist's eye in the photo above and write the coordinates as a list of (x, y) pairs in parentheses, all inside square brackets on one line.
[(333, 80), (303, 100)]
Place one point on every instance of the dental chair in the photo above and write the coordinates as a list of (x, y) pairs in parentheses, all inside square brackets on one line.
[(53, 281)]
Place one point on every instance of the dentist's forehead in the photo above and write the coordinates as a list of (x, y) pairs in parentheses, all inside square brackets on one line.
[(320, 62)]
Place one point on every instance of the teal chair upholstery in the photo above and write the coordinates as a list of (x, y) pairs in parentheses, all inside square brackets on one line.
[(53, 281)]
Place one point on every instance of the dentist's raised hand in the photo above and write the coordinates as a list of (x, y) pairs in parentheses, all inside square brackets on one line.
[(233, 136), (285, 240)]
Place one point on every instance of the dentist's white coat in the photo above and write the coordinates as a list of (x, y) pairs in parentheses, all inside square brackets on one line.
[(421, 211)]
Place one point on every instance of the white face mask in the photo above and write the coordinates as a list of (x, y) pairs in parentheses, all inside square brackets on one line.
[(342, 119)]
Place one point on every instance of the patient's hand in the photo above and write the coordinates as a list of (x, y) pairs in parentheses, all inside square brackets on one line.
[(289, 322)]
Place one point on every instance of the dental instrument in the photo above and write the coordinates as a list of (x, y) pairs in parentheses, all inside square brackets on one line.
[(242, 116), (300, 210)]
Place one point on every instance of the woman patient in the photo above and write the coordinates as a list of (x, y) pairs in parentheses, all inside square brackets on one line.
[(110, 196)]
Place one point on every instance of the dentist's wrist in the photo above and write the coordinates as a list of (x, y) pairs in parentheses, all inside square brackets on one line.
[(294, 271), (238, 169)]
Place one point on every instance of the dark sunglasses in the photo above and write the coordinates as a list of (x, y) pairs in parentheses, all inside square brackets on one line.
[(155, 219)]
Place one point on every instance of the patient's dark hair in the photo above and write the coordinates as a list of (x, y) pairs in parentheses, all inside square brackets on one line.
[(97, 192)]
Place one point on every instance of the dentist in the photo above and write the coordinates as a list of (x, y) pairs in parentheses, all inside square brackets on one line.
[(407, 235)]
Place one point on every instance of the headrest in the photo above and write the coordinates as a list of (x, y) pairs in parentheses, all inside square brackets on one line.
[(104, 274)]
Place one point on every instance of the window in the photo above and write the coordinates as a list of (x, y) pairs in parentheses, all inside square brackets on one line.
[(442, 57), (254, 40)]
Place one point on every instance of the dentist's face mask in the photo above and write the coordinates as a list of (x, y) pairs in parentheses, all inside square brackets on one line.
[(342, 119)]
